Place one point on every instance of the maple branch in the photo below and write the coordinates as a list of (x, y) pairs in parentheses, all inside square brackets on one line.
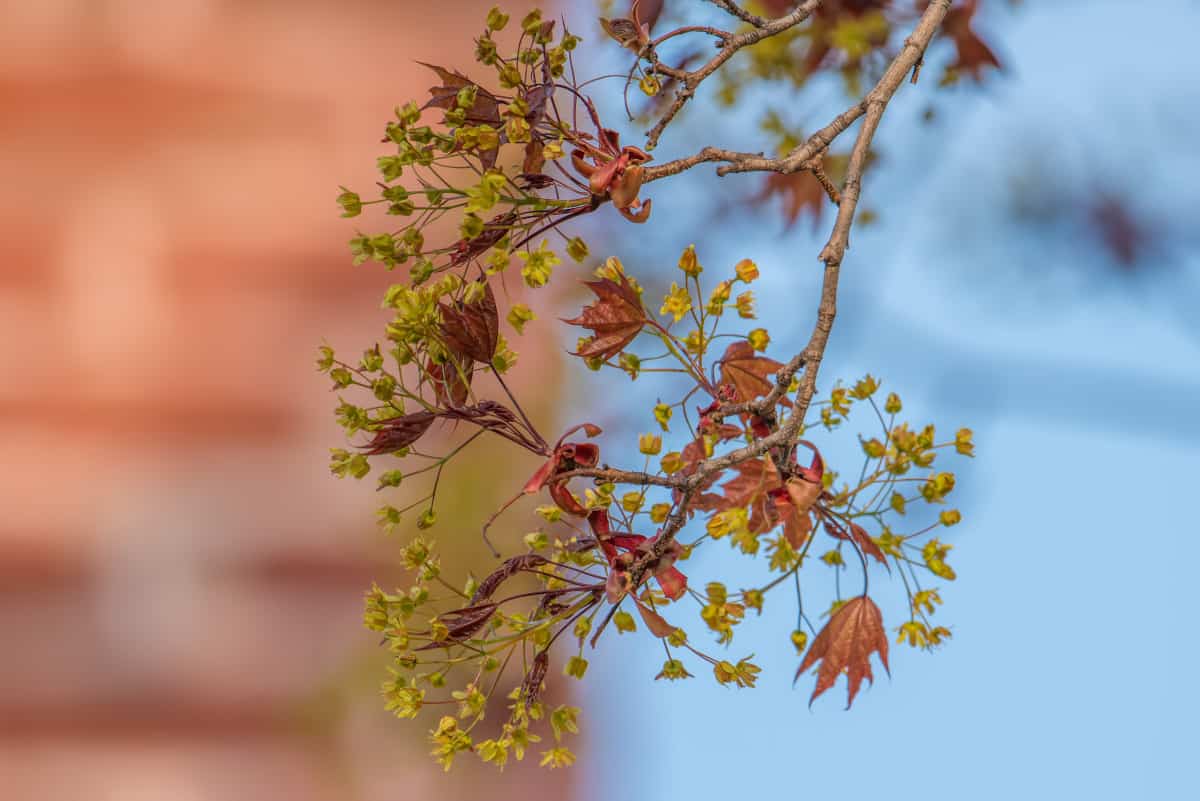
[(729, 7), (872, 107), (616, 476), (802, 156), (797, 159), (691, 80), (711, 31)]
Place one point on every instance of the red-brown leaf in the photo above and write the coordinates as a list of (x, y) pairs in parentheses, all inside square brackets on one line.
[(537, 98), (796, 529), (672, 581), (451, 382), (535, 158), (616, 317), (649, 12), (531, 686), (845, 646), (590, 429), (973, 52), (658, 626), (754, 479), (755, 486), (703, 501), (510, 568), (462, 624), (800, 191), (566, 500), (746, 371), (859, 536), (399, 432), (803, 494), (472, 329), (693, 453), (539, 478), (797, 526), (485, 111), (494, 230)]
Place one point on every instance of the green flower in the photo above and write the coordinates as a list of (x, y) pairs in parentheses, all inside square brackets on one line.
[(538, 265)]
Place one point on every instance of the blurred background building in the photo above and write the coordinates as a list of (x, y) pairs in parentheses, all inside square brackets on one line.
[(180, 576)]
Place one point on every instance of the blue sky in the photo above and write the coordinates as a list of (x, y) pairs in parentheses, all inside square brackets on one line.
[(1068, 674)]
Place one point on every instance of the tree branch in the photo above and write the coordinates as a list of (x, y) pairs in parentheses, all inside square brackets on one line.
[(800, 157), (616, 476), (873, 107), (730, 7), (690, 81)]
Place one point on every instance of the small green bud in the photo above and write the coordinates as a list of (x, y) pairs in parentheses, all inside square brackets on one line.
[(350, 202), (496, 19), (391, 478)]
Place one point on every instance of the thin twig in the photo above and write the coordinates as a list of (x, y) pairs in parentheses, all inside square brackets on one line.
[(692, 80), (734, 9)]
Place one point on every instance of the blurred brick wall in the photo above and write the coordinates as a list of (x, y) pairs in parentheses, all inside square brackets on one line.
[(180, 577)]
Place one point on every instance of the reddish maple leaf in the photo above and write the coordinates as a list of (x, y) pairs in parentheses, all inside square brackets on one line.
[(494, 230), (564, 458), (485, 111), (746, 371), (692, 454), (614, 172), (797, 518), (462, 624), (535, 158), (796, 528), (755, 478), (649, 12), (973, 52), (451, 381), (615, 318), (472, 329), (845, 645), (399, 432), (856, 534), (751, 488), (803, 494), (800, 191), (672, 581), (658, 625)]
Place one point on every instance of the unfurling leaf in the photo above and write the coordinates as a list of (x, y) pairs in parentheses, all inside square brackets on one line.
[(462, 624), (616, 317), (630, 31), (472, 329), (801, 191), (803, 494), (973, 54), (451, 382), (746, 371), (399, 432), (658, 626), (510, 568), (845, 645), (858, 535), (485, 110)]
